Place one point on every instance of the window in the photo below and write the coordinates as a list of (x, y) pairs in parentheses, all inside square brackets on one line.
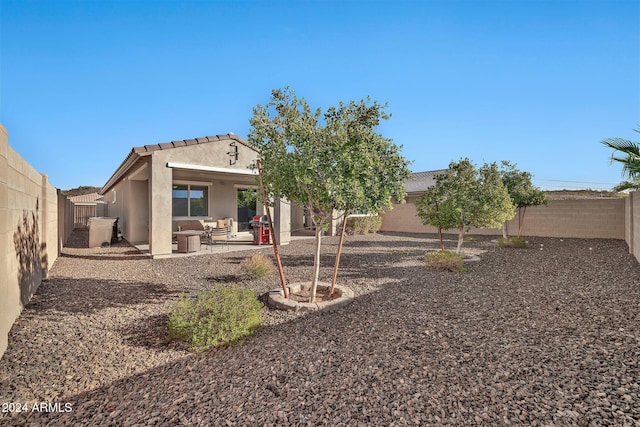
[(190, 200)]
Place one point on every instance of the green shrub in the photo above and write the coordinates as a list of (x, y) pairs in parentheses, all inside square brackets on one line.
[(214, 318), (512, 242), (363, 224), (444, 260), (256, 267)]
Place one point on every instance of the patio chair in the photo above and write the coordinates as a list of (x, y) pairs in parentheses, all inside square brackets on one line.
[(218, 235)]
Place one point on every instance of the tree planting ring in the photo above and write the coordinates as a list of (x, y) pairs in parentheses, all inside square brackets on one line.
[(276, 299)]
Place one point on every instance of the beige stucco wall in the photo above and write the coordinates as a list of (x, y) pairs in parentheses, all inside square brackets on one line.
[(138, 212), (208, 154), (128, 200), (593, 218), (160, 206), (28, 233), (116, 205), (222, 200)]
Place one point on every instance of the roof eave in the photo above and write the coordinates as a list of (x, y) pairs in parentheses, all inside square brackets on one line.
[(123, 169), (146, 150)]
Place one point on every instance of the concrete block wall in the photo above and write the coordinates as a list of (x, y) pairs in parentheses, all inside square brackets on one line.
[(28, 233), (592, 218), (627, 221), (635, 228), (50, 225), (632, 223), (589, 218), (66, 221)]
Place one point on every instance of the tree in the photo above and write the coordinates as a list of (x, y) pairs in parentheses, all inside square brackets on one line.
[(372, 167), (465, 197), (326, 163), (494, 204), (247, 198), (522, 192), (432, 207), (630, 161)]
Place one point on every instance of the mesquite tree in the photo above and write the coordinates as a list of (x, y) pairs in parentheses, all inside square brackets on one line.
[(522, 192), (465, 197), (328, 162)]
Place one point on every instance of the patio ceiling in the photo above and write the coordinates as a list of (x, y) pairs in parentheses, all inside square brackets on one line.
[(207, 173)]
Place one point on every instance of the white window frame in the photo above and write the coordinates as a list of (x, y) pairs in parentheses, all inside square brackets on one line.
[(189, 184)]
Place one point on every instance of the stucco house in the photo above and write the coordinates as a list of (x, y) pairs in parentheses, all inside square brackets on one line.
[(419, 182), (195, 179)]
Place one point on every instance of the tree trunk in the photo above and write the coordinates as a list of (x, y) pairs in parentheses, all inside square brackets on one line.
[(335, 267), (274, 240), (521, 213), (460, 239), (316, 263), (504, 230), (440, 228)]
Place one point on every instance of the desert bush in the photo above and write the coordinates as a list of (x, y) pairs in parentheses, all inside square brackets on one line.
[(363, 224), (215, 317), (444, 260), (512, 242), (256, 267)]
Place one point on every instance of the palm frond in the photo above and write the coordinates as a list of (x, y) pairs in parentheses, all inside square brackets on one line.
[(627, 185), (624, 145), (631, 161)]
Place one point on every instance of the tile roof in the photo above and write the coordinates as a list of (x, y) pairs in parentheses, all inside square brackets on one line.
[(420, 181), (136, 154), (85, 198), (186, 142)]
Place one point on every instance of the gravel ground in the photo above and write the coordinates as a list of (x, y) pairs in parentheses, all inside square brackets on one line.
[(548, 335)]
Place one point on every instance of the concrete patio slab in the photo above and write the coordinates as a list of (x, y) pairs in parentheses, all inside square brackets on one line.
[(242, 242)]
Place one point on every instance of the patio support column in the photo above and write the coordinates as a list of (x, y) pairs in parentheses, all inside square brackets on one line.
[(282, 221), (160, 205), (297, 217), (334, 224)]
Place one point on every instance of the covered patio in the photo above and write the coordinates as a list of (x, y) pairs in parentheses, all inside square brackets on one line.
[(183, 185), (242, 242)]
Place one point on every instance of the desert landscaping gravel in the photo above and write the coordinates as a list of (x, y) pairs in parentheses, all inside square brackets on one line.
[(547, 335)]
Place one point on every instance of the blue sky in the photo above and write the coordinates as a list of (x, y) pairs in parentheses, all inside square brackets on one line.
[(539, 83)]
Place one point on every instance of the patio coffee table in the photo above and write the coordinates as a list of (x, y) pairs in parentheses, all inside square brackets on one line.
[(188, 240)]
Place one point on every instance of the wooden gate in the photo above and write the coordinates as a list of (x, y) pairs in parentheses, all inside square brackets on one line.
[(81, 215)]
